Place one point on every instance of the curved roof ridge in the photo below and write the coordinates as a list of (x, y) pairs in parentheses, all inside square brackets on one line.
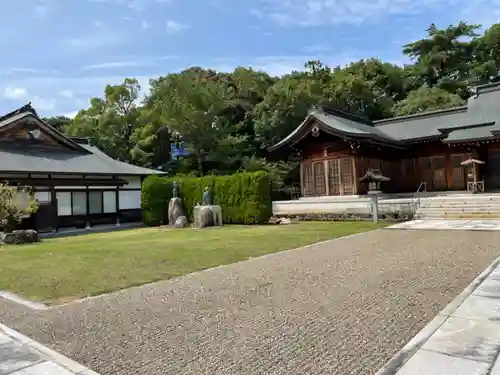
[(420, 115)]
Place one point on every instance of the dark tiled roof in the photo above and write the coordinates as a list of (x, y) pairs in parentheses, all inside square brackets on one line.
[(78, 157), (479, 119), (45, 160)]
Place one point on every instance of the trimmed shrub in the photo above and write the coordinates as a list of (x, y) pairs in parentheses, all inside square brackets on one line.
[(245, 198)]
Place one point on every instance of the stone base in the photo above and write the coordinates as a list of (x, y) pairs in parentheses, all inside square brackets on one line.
[(207, 216), (175, 210)]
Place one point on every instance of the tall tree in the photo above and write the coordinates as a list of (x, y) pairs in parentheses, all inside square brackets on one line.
[(427, 99), (60, 123), (191, 103), (110, 122), (444, 58)]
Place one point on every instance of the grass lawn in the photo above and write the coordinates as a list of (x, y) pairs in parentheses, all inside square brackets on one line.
[(63, 269)]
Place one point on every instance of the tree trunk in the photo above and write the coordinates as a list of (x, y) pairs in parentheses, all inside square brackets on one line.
[(197, 153)]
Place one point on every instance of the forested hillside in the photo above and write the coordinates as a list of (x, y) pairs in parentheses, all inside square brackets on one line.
[(229, 119)]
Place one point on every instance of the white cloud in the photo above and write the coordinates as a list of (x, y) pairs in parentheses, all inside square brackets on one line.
[(93, 41), (138, 5), (484, 12), (145, 24), (70, 115), (131, 63), (66, 93), (15, 93), (43, 104), (319, 12), (317, 48), (173, 27), (56, 95), (115, 64)]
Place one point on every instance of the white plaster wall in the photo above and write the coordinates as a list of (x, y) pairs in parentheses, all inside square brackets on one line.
[(134, 182), (130, 199)]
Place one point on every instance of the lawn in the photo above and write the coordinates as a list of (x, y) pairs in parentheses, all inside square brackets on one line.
[(63, 269)]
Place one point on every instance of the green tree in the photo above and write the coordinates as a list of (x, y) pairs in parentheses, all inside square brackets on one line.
[(445, 57), (191, 103), (60, 123), (427, 99), (15, 203), (486, 67), (283, 108), (111, 122)]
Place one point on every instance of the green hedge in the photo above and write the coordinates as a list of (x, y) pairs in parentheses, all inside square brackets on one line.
[(245, 198)]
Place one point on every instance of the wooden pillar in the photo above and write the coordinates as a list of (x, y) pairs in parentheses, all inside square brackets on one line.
[(87, 202), (55, 214), (448, 170), (327, 185), (417, 172), (302, 188), (355, 174), (117, 203), (325, 165)]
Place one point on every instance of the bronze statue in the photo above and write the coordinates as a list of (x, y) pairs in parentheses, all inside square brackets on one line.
[(175, 189), (207, 197)]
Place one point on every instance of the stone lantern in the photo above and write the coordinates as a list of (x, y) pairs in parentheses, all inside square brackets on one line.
[(374, 177)]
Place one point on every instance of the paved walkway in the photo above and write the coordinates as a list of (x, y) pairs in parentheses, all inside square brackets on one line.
[(464, 339), (20, 355), (341, 307), (482, 225)]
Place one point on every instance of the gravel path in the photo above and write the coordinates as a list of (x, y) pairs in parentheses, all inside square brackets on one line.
[(344, 307)]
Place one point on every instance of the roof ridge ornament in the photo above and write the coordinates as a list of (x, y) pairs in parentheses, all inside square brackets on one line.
[(315, 131)]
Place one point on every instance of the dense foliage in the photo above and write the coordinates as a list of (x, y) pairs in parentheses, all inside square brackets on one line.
[(245, 198), (227, 120), (15, 203)]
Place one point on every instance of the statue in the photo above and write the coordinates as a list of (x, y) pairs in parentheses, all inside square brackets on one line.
[(175, 209), (175, 190), (207, 214), (207, 197)]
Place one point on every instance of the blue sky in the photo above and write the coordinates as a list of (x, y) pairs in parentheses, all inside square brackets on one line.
[(60, 53)]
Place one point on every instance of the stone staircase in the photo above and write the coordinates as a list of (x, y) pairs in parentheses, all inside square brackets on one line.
[(456, 207)]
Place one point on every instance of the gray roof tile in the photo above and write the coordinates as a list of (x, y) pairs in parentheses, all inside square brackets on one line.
[(477, 120), (74, 158), (43, 160)]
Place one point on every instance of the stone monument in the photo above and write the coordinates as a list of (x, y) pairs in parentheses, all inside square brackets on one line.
[(175, 210), (207, 214)]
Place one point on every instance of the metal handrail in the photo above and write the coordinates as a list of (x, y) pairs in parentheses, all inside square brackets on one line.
[(416, 196)]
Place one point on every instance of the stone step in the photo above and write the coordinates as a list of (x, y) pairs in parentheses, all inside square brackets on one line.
[(458, 216), (493, 201), (463, 208), (471, 206), (459, 209)]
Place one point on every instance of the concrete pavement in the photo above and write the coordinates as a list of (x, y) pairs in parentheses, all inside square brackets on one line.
[(19, 355), (463, 339)]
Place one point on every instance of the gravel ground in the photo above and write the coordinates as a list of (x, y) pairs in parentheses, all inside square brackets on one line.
[(343, 307)]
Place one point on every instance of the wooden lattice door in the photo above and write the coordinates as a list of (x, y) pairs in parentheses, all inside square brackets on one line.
[(439, 173), (426, 174), (347, 176), (433, 172), (319, 178), (457, 171), (313, 179), (334, 177), (307, 180), (341, 176)]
